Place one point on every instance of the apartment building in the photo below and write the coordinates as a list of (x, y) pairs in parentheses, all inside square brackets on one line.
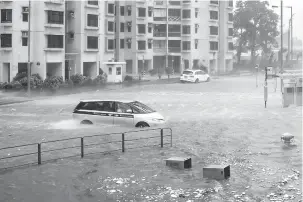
[(68, 37)]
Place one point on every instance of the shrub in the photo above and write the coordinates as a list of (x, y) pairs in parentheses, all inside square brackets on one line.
[(53, 83), (16, 85), (3, 84), (128, 78), (20, 76), (77, 79), (35, 80), (153, 72), (100, 79), (87, 81)]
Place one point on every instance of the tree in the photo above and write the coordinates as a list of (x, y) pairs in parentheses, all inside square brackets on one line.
[(255, 27)]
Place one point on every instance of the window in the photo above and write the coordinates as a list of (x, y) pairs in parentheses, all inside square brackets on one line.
[(141, 45), (150, 46), (213, 45), (110, 44), (129, 45), (141, 29), (196, 43), (150, 11), (196, 12), (111, 9), (141, 12), (122, 10), (186, 29), (230, 3), (185, 45), (110, 71), (25, 14), (230, 17), (213, 15), (6, 15), (230, 46), (6, 40), (122, 43), (110, 26), (94, 3), (186, 14), (129, 10), (230, 31), (92, 20), (92, 42), (213, 30), (214, 2), (122, 25), (118, 71), (24, 38), (54, 41), (55, 17), (123, 108)]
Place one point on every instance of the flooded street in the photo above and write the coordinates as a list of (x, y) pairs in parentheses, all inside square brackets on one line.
[(220, 122)]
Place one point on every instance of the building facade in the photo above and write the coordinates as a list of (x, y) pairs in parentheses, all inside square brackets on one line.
[(68, 37)]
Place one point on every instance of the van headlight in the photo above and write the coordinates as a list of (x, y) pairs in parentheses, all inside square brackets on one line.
[(159, 120)]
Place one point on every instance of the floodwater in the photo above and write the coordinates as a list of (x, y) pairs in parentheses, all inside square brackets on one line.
[(221, 122)]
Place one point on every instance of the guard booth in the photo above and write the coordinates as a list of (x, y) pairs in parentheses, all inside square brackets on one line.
[(288, 92), (299, 92), (115, 71)]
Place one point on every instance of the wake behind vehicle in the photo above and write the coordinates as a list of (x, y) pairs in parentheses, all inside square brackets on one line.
[(117, 112), (195, 76)]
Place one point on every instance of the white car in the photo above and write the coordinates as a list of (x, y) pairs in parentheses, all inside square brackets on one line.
[(194, 76), (117, 112)]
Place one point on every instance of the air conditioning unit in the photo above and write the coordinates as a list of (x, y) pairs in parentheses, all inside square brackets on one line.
[(24, 33), (25, 9), (71, 35), (72, 14)]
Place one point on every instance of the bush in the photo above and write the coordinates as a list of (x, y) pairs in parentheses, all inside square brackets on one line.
[(53, 83), (16, 85), (3, 84), (20, 76), (87, 81), (128, 78), (77, 79), (153, 72), (35, 80), (100, 79)]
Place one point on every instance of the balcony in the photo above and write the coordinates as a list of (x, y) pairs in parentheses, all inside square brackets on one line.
[(159, 50), (159, 34), (174, 34), (174, 18), (174, 49), (174, 3), (186, 2), (159, 3), (54, 1)]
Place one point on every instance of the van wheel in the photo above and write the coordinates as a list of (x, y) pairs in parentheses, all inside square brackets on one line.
[(142, 125), (197, 81), (86, 122), (208, 79)]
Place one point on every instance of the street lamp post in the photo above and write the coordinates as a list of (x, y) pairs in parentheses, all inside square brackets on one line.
[(291, 32), (29, 50)]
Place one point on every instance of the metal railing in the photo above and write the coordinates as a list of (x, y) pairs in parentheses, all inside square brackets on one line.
[(79, 142), (174, 49)]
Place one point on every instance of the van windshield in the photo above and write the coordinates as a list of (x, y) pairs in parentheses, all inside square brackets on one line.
[(140, 108), (188, 72)]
